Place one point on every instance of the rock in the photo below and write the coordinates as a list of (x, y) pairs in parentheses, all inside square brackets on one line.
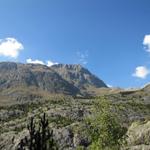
[(139, 135)]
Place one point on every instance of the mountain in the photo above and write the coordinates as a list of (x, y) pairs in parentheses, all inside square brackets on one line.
[(79, 76), (29, 90), (42, 77), (58, 79)]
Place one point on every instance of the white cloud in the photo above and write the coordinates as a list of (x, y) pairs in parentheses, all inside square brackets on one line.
[(10, 47), (110, 86), (146, 42), (82, 57), (50, 63), (141, 72), (35, 61)]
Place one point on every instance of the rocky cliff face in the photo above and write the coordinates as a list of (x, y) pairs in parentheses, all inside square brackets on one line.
[(78, 76), (26, 75), (66, 79)]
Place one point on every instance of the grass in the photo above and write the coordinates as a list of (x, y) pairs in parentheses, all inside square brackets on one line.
[(60, 121)]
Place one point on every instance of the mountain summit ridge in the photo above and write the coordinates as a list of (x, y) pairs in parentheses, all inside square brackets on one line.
[(79, 76), (67, 79)]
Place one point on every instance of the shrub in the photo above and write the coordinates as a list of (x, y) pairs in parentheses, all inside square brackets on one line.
[(40, 138), (104, 128)]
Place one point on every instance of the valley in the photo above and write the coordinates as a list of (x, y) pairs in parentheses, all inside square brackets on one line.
[(68, 96)]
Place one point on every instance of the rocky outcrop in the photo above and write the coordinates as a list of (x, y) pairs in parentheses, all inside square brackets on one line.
[(139, 136), (78, 76), (39, 76), (64, 79)]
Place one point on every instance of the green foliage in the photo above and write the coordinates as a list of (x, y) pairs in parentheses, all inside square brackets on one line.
[(104, 129), (80, 148), (61, 121), (40, 138)]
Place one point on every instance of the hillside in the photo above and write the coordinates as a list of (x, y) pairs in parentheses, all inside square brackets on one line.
[(80, 77), (28, 90), (17, 78), (66, 115), (42, 77)]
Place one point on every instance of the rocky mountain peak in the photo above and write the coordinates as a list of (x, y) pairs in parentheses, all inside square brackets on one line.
[(61, 78), (68, 66), (79, 76), (7, 66)]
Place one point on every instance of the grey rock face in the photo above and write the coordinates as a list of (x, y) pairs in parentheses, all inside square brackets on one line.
[(13, 75), (78, 76), (66, 79)]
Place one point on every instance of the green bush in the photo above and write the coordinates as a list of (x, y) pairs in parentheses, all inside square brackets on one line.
[(104, 128)]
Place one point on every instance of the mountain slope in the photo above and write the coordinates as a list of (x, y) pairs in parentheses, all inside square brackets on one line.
[(66, 116), (26, 91), (42, 77), (79, 76), (16, 78)]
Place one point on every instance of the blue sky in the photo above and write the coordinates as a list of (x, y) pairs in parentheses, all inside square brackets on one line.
[(106, 36)]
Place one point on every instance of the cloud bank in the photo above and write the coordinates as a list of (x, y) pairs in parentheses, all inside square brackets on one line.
[(146, 42), (141, 72), (36, 61), (83, 57), (30, 61), (10, 47), (50, 63), (110, 86)]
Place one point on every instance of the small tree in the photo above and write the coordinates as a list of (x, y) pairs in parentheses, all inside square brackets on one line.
[(40, 137), (104, 128)]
